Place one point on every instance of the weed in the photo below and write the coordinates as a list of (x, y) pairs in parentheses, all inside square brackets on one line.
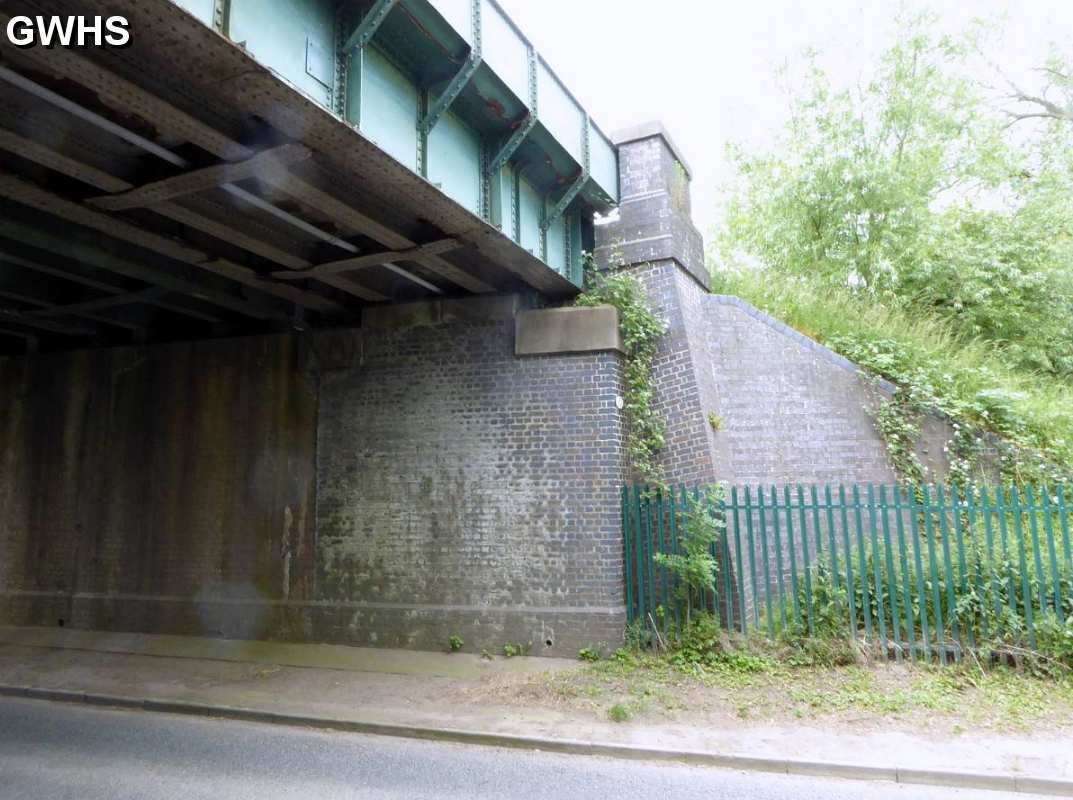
[(588, 654), (694, 567), (620, 712)]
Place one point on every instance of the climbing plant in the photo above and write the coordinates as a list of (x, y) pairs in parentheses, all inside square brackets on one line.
[(925, 385), (898, 422), (641, 331)]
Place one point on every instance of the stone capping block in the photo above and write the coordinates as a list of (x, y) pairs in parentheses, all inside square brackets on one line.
[(648, 130), (549, 331), (487, 308), (825, 353)]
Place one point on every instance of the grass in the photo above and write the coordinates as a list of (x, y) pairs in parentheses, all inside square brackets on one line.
[(760, 688), (1043, 402)]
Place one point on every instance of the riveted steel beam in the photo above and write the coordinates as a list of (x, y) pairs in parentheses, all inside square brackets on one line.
[(140, 102), (28, 290), (512, 144), (560, 208), (200, 180), (369, 25), (449, 94), (371, 260), (214, 226), (33, 150), (354, 220), (221, 266), (68, 247)]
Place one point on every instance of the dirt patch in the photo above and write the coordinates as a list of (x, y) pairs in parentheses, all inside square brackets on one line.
[(863, 697)]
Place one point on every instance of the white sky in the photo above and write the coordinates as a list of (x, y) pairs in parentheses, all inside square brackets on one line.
[(707, 69)]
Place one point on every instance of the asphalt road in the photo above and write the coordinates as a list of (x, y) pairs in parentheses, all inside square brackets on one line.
[(55, 751)]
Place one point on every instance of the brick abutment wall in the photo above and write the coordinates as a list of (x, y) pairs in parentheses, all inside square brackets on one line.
[(393, 486), (397, 484), (746, 400), (416, 478)]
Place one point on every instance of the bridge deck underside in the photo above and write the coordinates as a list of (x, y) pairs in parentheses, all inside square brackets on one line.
[(177, 189)]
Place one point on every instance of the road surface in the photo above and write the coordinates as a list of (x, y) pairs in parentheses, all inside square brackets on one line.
[(57, 751)]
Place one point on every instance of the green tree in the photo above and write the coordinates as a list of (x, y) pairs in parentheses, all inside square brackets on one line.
[(917, 191)]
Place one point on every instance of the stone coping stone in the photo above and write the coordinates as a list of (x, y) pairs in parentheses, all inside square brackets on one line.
[(548, 331)]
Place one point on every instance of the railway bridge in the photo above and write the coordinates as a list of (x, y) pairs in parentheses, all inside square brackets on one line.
[(286, 348)]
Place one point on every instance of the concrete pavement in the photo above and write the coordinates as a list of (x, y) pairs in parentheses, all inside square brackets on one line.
[(454, 698), (62, 751)]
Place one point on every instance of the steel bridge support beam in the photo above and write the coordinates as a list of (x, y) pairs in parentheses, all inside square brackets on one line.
[(449, 95), (369, 25)]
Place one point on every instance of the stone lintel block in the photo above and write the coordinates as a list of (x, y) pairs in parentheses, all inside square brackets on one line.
[(484, 308), (548, 331)]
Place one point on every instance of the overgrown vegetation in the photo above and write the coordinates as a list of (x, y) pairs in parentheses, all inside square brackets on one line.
[(759, 679), (641, 331), (993, 599), (994, 589), (922, 225), (589, 654), (693, 567)]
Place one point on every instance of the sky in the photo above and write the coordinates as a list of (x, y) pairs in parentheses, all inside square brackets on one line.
[(706, 68)]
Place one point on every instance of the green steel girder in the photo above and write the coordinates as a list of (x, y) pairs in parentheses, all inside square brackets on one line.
[(586, 155), (368, 26), (513, 143), (220, 15), (560, 208), (449, 94), (477, 26)]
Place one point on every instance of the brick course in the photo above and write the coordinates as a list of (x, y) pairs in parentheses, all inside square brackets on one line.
[(458, 489), (482, 487)]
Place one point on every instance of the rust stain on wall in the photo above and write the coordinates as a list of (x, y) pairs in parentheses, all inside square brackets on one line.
[(178, 471)]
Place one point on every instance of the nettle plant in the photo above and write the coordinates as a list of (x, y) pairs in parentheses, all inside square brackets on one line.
[(641, 331)]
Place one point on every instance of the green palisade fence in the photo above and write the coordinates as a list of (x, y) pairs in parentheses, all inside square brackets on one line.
[(926, 572)]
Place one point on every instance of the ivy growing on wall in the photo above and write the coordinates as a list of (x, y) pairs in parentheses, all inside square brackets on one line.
[(898, 422), (987, 419), (641, 331)]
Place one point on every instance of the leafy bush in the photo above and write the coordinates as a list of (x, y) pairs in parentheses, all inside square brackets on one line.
[(699, 643), (641, 332), (620, 712), (990, 608), (695, 568)]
